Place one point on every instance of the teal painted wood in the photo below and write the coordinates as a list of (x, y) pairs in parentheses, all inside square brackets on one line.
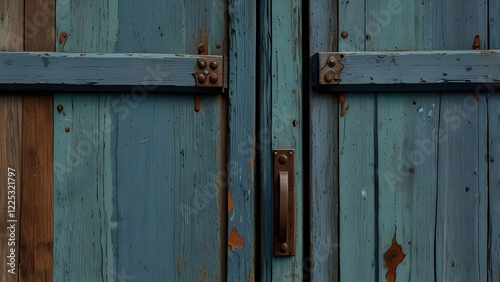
[(407, 173), (87, 71), (494, 24), (323, 264), (281, 71), (85, 222), (242, 162), (84, 213), (358, 241), (352, 21), (97, 28), (190, 27), (410, 71), (169, 164), (460, 232), (494, 185)]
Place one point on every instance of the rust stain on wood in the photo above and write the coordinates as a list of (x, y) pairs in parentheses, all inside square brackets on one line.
[(234, 240), (392, 258), (197, 103), (204, 274), (343, 108), (477, 43), (230, 202), (180, 263)]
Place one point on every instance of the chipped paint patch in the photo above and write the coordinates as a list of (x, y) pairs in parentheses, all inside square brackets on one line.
[(392, 258), (230, 202), (234, 240)]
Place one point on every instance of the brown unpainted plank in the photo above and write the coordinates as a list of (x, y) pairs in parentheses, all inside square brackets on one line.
[(39, 31), (10, 167), (37, 154), (37, 221), (11, 35), (11, 25)]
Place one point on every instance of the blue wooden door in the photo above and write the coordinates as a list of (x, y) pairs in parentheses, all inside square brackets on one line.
[(404, 182)]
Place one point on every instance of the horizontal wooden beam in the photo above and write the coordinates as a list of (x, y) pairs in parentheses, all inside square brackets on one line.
[(408, 71), (108, 72)]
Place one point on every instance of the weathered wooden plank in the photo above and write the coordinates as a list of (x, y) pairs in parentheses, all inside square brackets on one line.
[(407, 170), (460, 232), (37, 172), (357, 189), (36, 261), (323, 264), (168, 180), (351, 23), (242, 162), (11, 28), (494, 25), (408, 70), (87, 71), (10, 188), (85, 221), (282, 72), (494, 185)]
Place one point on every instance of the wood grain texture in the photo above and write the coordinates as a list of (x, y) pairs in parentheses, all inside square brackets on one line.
[(11, 25), (10, 158), (494, 185), (39, 23), (413, 70), (461, 197), (36, 261), (11, 30), (95, 71), (85, 218), (242, 162), (323, 161), (494, 24), (357, 190), (168, 198), (282, 98), (37, 204)]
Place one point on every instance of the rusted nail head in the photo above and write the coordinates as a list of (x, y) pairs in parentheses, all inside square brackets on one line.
[(344, 34), (201, 78), (368, 37), (332, 61), (214, 65), (66, 129), (213, 78), (206, 72), (283, 159), (202, 63), (201, 48), (328, 77), (283, 247), (218, 46), (60, 107), (411, 170), (336, 78)]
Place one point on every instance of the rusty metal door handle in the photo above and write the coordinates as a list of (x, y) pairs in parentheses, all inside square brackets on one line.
[(283, 220), (284, 202)]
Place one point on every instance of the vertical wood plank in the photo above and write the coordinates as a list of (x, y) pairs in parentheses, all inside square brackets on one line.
[(37, 203), (11, 25), (494, 185), (357, 191), (11, 30), (323, 264), (242, 162), (10, 189), (494, 154), (85, 216), (282, 22), (37, 163), (460, 234)]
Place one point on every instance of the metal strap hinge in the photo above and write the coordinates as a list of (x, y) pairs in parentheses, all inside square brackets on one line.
[(330, 68), (210, 71)]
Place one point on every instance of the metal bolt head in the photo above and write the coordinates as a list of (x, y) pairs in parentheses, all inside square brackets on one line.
[(206, 72), (336, 77), (213, 78), (344, 34), (283, 159), (213, 65), (66, 129), (201, 78), (202, 63), (328, 77), (283, 247), (60, 107), (332, 61)]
